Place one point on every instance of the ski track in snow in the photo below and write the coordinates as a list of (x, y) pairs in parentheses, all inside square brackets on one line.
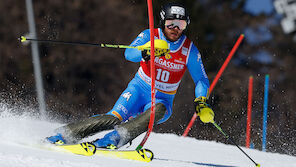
[(20, 135)]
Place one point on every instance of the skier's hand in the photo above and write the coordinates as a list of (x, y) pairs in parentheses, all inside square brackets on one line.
[(157, 53), (161, 49), (203, 110), (146, 55), (199, 103)]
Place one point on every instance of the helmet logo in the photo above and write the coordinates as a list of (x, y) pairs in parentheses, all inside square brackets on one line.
[(178, 10), (162, 14)]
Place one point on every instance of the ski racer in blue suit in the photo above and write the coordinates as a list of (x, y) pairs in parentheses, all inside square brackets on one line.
[(130, 115), (137, 85)]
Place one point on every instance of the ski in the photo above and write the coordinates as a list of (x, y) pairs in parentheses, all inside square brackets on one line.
[(88, 149)]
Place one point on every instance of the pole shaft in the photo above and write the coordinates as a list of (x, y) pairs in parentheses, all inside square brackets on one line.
[(233, 50), (249, 113), (229, 138), (82, 43), (36, 61), (265, 107)]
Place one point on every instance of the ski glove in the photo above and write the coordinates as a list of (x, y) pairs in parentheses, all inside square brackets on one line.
[(161, 49), (145, 55), (203, 110)]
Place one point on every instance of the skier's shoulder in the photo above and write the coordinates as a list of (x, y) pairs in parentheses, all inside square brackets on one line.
[(193, 52), (187, 42), (193, 46), (142, 38), (144, 33)]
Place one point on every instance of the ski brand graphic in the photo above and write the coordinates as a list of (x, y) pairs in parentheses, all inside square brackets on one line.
[(141, 35), (180, 61), (184, 51), (178, 10), (122, 108), (203, 71), (117, 115), (169, 64), (127, 95), (168, 56), (198, 56), (88, 149)]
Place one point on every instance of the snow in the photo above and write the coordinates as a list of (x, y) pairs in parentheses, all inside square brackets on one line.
[(21, 134)]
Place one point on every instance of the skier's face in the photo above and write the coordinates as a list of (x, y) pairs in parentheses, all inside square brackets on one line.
[(172, 34)]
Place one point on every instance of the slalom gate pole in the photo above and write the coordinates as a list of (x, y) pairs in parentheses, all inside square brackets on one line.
[(265, 107), (249, 114), (213, 84), (152, 72), (229, 138), (24, 39)]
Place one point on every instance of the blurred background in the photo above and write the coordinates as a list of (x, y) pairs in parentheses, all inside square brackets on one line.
[(80, 81)]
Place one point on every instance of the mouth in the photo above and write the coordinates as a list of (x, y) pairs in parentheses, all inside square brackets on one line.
[(174, 34)]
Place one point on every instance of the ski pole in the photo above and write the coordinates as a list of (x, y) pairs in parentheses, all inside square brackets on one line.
[(24, 39), (213, 84), (229, 138)]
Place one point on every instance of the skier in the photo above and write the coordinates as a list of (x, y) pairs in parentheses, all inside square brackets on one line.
[(131, 113)]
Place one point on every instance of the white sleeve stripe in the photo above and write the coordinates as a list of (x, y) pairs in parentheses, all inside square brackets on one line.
[(188, 54)]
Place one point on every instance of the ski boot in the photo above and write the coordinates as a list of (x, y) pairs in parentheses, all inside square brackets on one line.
[(109, 141), (57, 139)]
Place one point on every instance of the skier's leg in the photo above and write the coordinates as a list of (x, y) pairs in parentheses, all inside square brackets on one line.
[(90, 126), (130, 130), (75, 131), (126, 132), (128, 104)]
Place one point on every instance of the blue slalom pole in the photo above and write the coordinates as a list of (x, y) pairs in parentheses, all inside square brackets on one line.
[(265, 106)]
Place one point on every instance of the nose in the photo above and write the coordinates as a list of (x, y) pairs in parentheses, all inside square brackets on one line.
[(176, 28)]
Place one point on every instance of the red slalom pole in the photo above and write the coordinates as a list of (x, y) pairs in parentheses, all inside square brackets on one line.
[(213, 84), (152, 72), (249, 115), (233, 50)]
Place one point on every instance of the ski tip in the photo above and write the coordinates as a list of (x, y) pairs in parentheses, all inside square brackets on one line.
[(257, 165), (146, 154)]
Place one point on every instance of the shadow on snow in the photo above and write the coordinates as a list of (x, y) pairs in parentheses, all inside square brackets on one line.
[(197, 163)]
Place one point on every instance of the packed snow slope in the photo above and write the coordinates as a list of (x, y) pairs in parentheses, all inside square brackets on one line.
[(21, 134)]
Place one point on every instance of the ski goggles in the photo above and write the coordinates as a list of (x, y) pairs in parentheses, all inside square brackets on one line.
[(180, 24)]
